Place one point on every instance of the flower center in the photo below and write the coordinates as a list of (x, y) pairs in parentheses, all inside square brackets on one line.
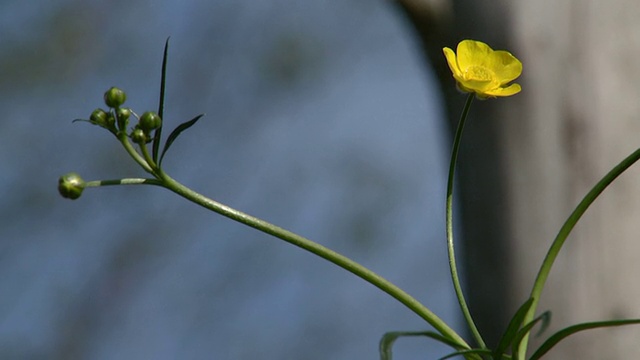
[(478, 73)]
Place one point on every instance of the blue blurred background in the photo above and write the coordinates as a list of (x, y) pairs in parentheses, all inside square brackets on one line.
[(321, 117)]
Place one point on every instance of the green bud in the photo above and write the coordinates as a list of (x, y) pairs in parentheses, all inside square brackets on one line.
[(149, 121), (70, 186), (123, 113), (114, 97), (138, 136), (123, 117), (111, 121), (99, 117)]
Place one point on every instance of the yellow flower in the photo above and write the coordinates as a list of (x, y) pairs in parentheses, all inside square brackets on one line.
[(479, 69)]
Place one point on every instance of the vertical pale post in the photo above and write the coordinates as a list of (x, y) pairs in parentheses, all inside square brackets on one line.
[(529, 160), (577, 119)]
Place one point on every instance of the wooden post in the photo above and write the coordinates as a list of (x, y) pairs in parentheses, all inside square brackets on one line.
[(529, 159)]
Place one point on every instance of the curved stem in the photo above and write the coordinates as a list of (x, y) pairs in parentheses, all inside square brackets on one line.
[(564, 232), (319, 250), (449, 221), (124, 140), (147, 158)]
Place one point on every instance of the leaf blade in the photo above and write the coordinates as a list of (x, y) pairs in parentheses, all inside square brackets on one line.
[(163, 80), (176, 132), (554, 339), (512, 329), (526, 329)]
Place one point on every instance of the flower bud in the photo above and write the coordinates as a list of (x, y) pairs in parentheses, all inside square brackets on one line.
[(114, 97), (123, 113), (123, 117), (70, 186), (149, 121), (98, 117), (138, 136), (111, 121)]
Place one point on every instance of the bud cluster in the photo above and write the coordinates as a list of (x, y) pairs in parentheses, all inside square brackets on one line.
[(116, 119)]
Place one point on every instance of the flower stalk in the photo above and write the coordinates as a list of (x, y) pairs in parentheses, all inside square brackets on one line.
[(449, 225)]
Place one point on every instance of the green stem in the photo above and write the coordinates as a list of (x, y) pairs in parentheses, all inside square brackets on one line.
[(449, 220), (128, 181), (147, 158), (564, 232), (124, 140), (319, 250)]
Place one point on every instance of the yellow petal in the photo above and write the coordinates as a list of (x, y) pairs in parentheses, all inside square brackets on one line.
[(453, 63), (505, 66), (472, 53), (504, 91)]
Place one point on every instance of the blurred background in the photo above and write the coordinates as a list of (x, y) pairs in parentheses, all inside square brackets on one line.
[(321, 117)]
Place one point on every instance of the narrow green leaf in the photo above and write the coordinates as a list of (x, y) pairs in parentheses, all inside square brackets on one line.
[(569, 224), (163, 80), (386, 343), (554, 339), (176, 132), (544, 317), (512, 329)]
